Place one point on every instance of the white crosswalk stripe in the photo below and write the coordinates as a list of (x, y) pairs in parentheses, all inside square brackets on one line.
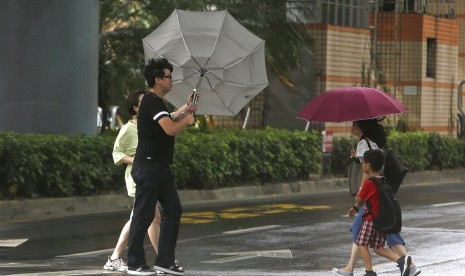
[(12, 242)]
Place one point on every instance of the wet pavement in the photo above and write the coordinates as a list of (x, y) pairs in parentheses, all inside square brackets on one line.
[(292, 235)]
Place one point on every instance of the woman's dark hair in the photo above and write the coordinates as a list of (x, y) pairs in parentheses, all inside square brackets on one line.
[(154, 69), (374, 131), (133, 100)]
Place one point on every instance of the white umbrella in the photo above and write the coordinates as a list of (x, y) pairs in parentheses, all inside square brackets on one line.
[(213, 53)]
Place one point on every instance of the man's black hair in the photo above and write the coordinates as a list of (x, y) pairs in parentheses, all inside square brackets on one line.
[(375, 158), (154, 69)]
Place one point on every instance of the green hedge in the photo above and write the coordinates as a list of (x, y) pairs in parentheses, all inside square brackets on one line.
[(418, 150), (56, 165), (232, 158)]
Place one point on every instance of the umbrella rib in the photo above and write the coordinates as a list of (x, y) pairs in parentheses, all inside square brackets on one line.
[(218, 95), (153, 50), (222, 100), (234, 83), (185, 78), (171, 61), (185, 43), (242, 58), (209, 84), (182, 36), (216, 40)]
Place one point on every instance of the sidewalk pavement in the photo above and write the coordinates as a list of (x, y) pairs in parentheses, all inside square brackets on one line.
[(54, 207)]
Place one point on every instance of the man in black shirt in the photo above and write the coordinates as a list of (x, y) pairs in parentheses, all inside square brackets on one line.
[(154, 180)]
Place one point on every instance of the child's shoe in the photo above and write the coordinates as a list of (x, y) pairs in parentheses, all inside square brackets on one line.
[(337, 272), (414, 270), (404, 265), (370, 273)]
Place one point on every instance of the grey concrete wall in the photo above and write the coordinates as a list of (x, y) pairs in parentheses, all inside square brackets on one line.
[(282, 103), (49, 66)]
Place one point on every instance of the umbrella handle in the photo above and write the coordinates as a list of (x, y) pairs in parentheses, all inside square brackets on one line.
[(194, 97)]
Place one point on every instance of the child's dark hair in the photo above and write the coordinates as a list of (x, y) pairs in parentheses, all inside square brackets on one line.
[(133, 100), (375, 158), (154, 69)]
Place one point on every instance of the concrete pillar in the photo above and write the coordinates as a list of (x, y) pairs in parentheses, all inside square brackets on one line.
[(49, 66)]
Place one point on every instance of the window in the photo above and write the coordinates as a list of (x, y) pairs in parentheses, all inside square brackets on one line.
[(350, 13), (431, 47), (302, 11)]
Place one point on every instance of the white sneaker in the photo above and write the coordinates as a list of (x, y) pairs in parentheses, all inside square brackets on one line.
[(143, 270), (176, 262), (404, 265), (414, 270), (173, 270), (118, 265), (337, 272)]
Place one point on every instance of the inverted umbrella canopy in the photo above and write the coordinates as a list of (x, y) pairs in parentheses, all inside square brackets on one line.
[(350, 104), (213, 53)]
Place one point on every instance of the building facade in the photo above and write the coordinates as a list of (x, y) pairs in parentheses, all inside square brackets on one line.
[(414, 50), (411, 50)]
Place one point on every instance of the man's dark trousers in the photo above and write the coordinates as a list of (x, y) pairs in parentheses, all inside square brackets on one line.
[(154, 181)]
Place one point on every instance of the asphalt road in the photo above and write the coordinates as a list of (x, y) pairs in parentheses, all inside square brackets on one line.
[(294, 235)]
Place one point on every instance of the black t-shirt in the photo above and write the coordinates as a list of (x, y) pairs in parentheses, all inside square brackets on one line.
[(154, 144)]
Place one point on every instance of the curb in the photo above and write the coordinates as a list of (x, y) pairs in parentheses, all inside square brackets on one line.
[(53, 207)]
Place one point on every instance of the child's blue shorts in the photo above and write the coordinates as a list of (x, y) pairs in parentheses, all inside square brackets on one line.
[(392, 239)]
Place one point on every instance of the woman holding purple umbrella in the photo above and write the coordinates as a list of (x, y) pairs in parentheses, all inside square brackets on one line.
[(371, 135)]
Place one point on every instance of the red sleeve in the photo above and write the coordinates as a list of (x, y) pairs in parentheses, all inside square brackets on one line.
[(369, 193), (368, 190)]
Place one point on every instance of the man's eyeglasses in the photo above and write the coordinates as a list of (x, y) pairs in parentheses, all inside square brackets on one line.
[(169, 77)]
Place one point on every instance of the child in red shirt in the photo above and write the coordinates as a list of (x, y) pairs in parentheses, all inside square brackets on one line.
[(373, 161)]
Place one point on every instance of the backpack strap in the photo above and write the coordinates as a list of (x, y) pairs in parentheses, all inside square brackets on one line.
[(378, 182), (368, 143)]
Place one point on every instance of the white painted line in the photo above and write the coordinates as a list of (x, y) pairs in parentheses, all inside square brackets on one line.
[(237, 256), (387, 266), (86, 253), (12, 242), (229, 259), (447, 204), (68, 273), (14, 265), (253, 229), (283, 253), (257, 272), (432, 230)]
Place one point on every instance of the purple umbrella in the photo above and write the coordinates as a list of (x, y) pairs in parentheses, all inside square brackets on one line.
[(350, 104)]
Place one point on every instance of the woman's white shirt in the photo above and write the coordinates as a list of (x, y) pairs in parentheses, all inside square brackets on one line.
[(362, 146)]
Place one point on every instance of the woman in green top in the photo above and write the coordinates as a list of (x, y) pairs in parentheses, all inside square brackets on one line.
[(123, 153)]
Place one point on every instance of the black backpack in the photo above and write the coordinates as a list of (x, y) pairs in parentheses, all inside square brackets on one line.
[(389, 219)]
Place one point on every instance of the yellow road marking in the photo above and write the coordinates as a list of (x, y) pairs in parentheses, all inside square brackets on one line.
[(237, 215), (236, 209), (273, 211), (311, 207), (247, 212), (200, 214), (282, 206), (196, 220)]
